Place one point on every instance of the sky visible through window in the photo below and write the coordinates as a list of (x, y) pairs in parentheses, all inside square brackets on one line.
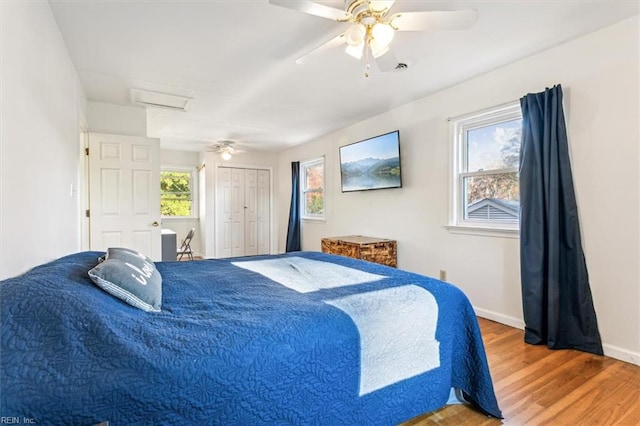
[(494, 146)]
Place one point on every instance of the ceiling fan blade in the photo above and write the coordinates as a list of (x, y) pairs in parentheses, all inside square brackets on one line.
[(435, 20), (313, 8), (388, 61), (334, 42)]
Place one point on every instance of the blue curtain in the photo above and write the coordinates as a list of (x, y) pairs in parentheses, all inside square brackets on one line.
[(557, 303), (293, 232)]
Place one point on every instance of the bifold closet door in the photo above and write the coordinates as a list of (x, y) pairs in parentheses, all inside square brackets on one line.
[(243, 212)]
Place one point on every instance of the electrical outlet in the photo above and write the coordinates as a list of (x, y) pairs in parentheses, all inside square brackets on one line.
[(443, 275)]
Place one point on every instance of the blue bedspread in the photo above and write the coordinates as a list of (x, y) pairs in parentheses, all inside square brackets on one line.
[(232, 347)]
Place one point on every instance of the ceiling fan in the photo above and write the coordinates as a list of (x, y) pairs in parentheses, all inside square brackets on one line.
[(225, 149), (372, 27)]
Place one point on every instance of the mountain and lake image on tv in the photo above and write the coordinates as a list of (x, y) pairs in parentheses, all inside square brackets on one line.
[(373, 163)]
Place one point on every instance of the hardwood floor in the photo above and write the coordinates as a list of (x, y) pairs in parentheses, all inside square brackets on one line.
[(538, 386)]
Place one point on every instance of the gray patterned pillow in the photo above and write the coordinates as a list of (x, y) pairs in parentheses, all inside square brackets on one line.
[(131, 277)]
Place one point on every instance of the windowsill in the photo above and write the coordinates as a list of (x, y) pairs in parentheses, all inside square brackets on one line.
[(180, 218), (314, 219), (484, 231)]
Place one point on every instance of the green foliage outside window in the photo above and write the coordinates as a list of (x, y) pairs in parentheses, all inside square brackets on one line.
[(315, 203), (175, 193), (313, 193)]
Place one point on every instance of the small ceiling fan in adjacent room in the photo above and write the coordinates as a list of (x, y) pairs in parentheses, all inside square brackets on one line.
[(225, 149), (370, 26)]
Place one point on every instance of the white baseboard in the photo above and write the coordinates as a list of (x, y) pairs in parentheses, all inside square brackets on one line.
[(609, 350), (501, 318), (621, 354)]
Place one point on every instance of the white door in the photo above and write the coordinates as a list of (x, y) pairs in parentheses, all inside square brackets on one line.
[(237, 212), (124, 186), (250, 212), (263, 211), (242, 212), (223, 213)]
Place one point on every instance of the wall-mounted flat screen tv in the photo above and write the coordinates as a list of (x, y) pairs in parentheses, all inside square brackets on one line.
[(373, 163)]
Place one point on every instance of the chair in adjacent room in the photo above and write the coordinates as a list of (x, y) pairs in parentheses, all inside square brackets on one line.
[(185, 247)]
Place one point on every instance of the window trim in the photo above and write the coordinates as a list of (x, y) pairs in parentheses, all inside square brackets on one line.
[(194, 190), (303, 190), (458, 128)]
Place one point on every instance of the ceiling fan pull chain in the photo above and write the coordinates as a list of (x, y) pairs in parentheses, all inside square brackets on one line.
[(367, 67)]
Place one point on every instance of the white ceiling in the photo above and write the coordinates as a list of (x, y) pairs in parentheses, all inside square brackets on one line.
[(236, 60)]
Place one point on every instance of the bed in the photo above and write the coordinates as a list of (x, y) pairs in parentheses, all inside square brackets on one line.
[(299, 338)]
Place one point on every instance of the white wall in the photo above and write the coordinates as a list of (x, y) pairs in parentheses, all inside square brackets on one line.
[(117, 119), (42, 101), (251, 159), (188, 159), (599, 74)]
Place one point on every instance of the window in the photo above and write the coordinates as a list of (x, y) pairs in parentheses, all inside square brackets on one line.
[(312, 189), (486, 160), (176, 193)]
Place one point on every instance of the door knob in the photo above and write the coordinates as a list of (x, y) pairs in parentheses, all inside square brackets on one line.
[(156, 223)]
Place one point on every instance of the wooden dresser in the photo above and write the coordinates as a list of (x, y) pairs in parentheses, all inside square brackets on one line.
[(376, 250)]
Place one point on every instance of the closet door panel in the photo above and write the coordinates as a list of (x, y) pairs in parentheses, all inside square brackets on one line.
[(224, 216), (237, 213), (251, 212), (263, 211)]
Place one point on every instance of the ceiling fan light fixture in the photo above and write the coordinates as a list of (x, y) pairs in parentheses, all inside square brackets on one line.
[(355, 51), (382, 34), (370, 27), (377, 49), (355, 35), (226, 155)]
